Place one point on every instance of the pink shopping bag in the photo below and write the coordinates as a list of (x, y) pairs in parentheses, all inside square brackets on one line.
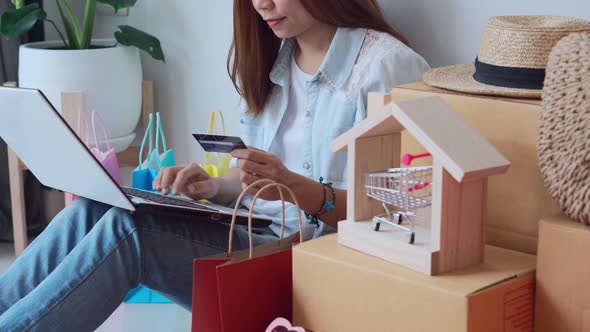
[(102, 151)]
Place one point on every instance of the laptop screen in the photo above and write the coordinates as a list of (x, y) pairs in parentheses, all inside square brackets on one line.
[(42, 139)]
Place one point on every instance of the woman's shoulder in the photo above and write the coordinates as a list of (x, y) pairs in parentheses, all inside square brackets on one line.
[(380, 46), (384, 61)]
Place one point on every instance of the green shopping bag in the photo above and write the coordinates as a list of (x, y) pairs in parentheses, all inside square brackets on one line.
[(214, 163), (147, 170)]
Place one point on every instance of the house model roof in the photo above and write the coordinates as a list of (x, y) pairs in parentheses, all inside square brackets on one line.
[(461, 150)]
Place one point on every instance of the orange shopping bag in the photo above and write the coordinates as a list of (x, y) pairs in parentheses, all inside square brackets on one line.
[(244, 291)]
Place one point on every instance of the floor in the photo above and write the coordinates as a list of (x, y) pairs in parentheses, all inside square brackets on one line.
[(128, 317)]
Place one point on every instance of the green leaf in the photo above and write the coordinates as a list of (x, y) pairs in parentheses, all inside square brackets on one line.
[(18, 4), (88, 23), (15, 23), (119, 4), (70, 30), (130, 36)]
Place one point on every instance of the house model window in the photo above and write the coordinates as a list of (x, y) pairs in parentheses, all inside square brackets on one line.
[(449, 232)]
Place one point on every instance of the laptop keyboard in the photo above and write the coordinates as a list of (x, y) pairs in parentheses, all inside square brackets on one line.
[(161, 199)]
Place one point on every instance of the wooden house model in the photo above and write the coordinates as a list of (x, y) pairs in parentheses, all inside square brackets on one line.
[(449, 233)]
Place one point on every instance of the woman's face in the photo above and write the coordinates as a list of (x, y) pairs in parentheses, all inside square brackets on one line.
[(286, 18)]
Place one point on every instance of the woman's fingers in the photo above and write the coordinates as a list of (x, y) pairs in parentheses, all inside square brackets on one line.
[(248, 178), (178, 178), (157, 181), (168, 175), (251, 154), (268, 194), (184, 176), (251, 167), (198, 190), (255, 149)]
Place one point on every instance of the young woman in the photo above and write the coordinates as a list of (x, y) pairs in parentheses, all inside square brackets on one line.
[(303, 68)]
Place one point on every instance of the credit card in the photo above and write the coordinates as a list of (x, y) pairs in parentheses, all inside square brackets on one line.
[(219, 143)]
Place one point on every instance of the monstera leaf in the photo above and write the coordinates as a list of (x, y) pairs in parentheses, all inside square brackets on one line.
[(119, 4), (14, 23), (130, 36)]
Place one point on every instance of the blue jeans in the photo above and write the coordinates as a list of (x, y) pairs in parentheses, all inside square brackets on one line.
[(78, 271)]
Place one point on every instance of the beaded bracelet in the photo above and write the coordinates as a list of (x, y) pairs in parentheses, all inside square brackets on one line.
[(327, 206)]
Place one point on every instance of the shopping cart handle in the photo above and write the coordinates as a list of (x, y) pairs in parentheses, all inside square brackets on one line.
[(408, 158)]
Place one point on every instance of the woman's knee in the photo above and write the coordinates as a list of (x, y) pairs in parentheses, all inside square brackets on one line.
[(118, 221), (80, 216), (87, 204)]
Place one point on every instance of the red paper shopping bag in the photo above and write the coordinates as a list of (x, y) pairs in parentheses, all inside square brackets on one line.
[(244, 291)]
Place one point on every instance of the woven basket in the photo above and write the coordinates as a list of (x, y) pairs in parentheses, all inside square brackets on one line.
[(564, 132)]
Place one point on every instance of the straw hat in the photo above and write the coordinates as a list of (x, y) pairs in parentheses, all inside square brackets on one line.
[(512, 58)]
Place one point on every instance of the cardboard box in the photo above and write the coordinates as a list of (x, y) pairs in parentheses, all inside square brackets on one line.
[(563, 277), (518, 199), (337, 289)]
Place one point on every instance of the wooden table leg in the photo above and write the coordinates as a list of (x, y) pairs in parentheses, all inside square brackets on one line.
[(17, 197)]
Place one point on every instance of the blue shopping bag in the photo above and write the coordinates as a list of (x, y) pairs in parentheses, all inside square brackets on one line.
[(166, 158), (142, 178), (147, 170), (142, 294)]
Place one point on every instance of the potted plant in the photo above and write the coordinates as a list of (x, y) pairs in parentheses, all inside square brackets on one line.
[(108, 71)]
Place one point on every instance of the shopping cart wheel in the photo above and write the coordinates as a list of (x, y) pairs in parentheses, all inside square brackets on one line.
[(412, 238), (376, 225)]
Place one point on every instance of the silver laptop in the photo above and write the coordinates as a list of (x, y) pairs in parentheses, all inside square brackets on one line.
[(42, 139)]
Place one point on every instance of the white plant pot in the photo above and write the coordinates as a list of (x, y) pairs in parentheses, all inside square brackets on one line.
[(110, 77)]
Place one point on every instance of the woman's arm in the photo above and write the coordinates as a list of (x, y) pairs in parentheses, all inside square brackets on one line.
[(229, 188), (254, 165), (310, 195)]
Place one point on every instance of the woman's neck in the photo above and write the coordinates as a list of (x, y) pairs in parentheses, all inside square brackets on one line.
[(312, 47)]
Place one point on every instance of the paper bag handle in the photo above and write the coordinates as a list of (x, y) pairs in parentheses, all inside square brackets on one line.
[(104, 130), (160, 134), (267, 185), (86, 139), (82, 117), (212, 129), (148, 132)]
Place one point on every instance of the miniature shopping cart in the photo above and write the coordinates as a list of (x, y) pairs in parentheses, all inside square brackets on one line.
[(401, 191)]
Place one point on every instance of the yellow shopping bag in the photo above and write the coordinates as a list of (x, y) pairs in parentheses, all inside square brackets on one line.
[(214, 163)]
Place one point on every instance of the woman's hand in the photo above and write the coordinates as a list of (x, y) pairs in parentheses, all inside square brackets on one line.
[(255, 164), (190, 180)]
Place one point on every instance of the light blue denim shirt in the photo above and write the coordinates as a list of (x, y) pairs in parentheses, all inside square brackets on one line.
[(358, 61)]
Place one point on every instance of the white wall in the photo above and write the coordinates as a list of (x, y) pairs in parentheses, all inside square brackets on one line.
[(196, 35), (193, 81), (195, 38), (448, 31)]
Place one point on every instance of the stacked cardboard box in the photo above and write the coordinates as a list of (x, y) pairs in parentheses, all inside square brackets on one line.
[(563, 275), (339, 289), (518, 199)]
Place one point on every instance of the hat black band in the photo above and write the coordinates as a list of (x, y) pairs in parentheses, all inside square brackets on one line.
[(509, 77)]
